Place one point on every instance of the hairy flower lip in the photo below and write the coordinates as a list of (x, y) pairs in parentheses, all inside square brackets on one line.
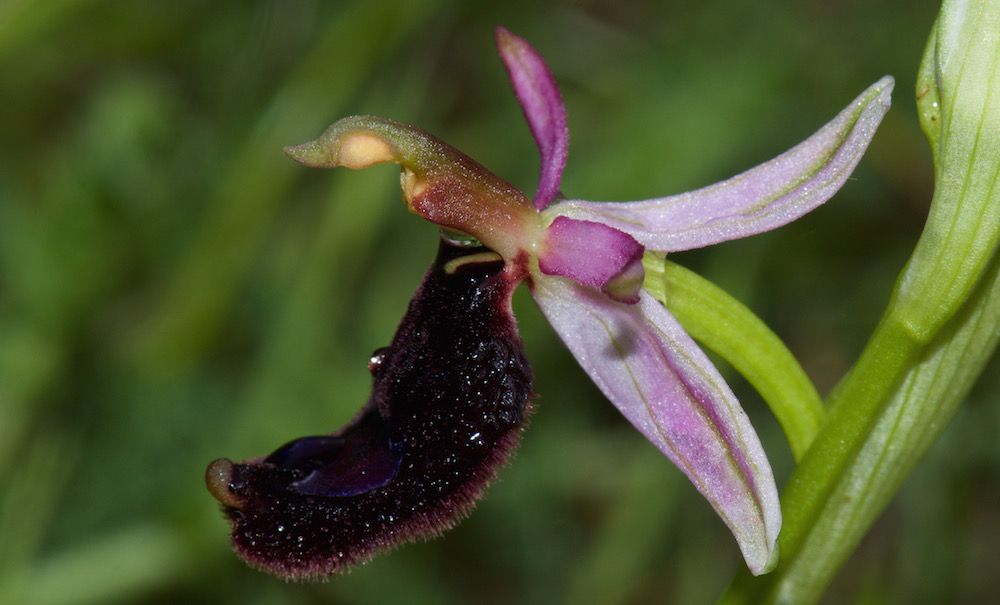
[(450, 396)]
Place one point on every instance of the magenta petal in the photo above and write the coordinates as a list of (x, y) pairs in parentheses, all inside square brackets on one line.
[(595, 255), (760, 199), (644, 362), (543, 107)]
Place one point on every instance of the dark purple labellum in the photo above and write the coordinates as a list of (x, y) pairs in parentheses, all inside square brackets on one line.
[(449, 398)]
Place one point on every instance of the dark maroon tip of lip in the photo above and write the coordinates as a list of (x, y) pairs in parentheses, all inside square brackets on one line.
[(449, 398)]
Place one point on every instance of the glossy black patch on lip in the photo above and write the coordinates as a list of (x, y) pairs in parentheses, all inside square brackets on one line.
[(449, 398)]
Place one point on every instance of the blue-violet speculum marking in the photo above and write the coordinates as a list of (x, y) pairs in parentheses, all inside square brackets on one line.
[(449, 396)]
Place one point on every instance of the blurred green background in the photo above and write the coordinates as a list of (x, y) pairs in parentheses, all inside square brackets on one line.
[(173, 289)]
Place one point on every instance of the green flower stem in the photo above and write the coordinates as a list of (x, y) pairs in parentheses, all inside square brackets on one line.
[(730, 329), (940, 328), (958, 91), (890, 354), (919, 409), (815, 544)]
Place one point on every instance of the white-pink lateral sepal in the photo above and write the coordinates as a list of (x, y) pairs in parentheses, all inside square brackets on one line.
[(654, 373), (763, 198)]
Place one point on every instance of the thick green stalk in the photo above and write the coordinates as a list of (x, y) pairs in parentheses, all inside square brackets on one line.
[(939, 330), (727, 327), (919, 409)]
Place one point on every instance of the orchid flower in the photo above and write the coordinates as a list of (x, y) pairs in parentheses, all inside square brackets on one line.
[(321, 503)]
